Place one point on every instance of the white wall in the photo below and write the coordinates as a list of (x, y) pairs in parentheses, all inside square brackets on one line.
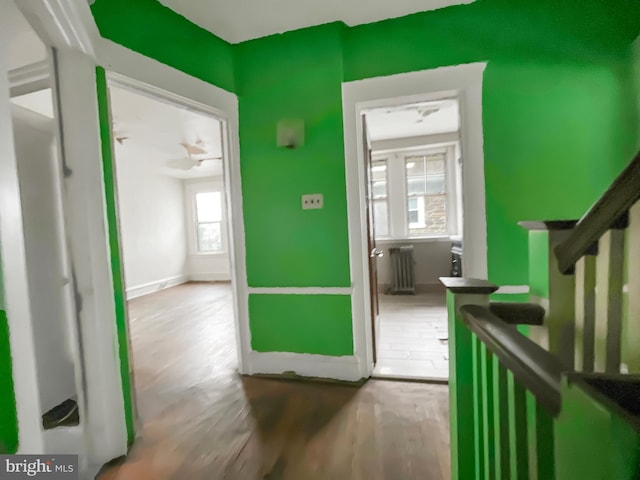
[(152, 223), (205, 266), (44, 244), (432, 260)]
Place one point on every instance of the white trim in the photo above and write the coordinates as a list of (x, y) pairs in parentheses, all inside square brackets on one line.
[(394, 240), (210, 277), (101, 404), (65, 24), (151, 287), (513, 289), (381, 147), (190, 191), (300, 290), (463, 81), (15, 297), (305, 365), (30, 78), (128, 68)]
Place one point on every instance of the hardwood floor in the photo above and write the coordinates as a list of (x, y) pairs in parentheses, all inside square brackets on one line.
[(413, 337), (200, 420)]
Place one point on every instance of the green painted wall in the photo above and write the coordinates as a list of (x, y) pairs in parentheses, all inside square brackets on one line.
[(578, 456), (8, 414), (155, 31), (557, 125), (319, 324), (558, 120), (114, 250), (296, 75)]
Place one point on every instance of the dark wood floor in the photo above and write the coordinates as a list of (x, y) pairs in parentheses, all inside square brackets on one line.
[(200, 420)]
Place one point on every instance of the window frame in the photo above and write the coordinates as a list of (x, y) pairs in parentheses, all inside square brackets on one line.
[(398, 197), (381, 198), (192, 189)]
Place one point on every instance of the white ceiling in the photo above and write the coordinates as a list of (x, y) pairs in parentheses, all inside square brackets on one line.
[(415, 120), (153, 132), (25, 47), (238, 20)]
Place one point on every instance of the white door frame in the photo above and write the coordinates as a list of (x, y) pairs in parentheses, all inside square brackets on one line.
[(461, 81), (226, 112), (130, 69), (54, 22), (15, 296)]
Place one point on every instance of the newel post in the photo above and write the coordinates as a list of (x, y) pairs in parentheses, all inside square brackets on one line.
[(462, 390), (551, 289)]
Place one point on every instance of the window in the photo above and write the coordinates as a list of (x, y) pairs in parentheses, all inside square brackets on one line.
[(426, 194), (209, 221), (379, 185), (414, 193)]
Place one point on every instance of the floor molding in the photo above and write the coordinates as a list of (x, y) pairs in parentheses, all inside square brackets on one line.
[(210, 277), (151, 287), (304, 365)]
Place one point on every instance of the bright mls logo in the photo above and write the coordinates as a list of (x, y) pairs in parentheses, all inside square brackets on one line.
[(53, 467)]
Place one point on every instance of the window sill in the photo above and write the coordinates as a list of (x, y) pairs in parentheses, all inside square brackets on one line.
[(208, 254), (435, 238)]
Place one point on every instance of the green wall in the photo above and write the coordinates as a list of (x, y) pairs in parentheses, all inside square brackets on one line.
[(8, 414), (319, 324), (297, 75), (108, 169), (155, 31), (558, 124)]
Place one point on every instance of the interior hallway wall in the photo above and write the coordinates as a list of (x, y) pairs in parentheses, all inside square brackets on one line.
[(556, 119)]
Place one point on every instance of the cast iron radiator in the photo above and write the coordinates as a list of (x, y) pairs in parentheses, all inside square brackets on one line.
[(402, 271)]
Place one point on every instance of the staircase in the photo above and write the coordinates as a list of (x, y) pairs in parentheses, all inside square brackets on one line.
[(550, 389)]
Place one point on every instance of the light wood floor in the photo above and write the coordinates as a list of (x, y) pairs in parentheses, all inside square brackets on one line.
[(201, 421), (413, 337)]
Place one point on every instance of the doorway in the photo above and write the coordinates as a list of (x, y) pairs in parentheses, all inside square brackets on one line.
[(413, 185), (169, 161), (463, 82)]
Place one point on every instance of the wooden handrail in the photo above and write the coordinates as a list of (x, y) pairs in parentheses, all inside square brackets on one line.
[(533, 366), (610, 211)]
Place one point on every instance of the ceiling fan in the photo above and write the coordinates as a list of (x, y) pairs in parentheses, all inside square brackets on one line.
[(189, 162)]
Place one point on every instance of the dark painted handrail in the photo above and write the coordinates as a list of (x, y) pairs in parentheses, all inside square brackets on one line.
[(611, 211), (514, 313), (532, 366)]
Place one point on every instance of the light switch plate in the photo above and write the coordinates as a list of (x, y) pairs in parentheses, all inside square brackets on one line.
[(312, 201)]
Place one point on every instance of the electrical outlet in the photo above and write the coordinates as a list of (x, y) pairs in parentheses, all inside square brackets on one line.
[(312, 201)]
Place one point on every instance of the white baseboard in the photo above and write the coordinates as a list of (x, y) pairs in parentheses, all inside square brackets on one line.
[(210, 277), (147, 288), (304, 365)]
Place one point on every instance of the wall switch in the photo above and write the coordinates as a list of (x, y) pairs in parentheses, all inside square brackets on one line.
[(312, 201)]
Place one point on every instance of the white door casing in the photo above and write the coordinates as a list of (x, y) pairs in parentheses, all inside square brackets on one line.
[(461, 81)]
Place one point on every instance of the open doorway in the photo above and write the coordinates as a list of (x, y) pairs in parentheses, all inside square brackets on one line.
[(174, 236), (414, 185)]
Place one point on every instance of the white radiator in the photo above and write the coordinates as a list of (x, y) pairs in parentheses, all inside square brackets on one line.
[(402, 271)]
